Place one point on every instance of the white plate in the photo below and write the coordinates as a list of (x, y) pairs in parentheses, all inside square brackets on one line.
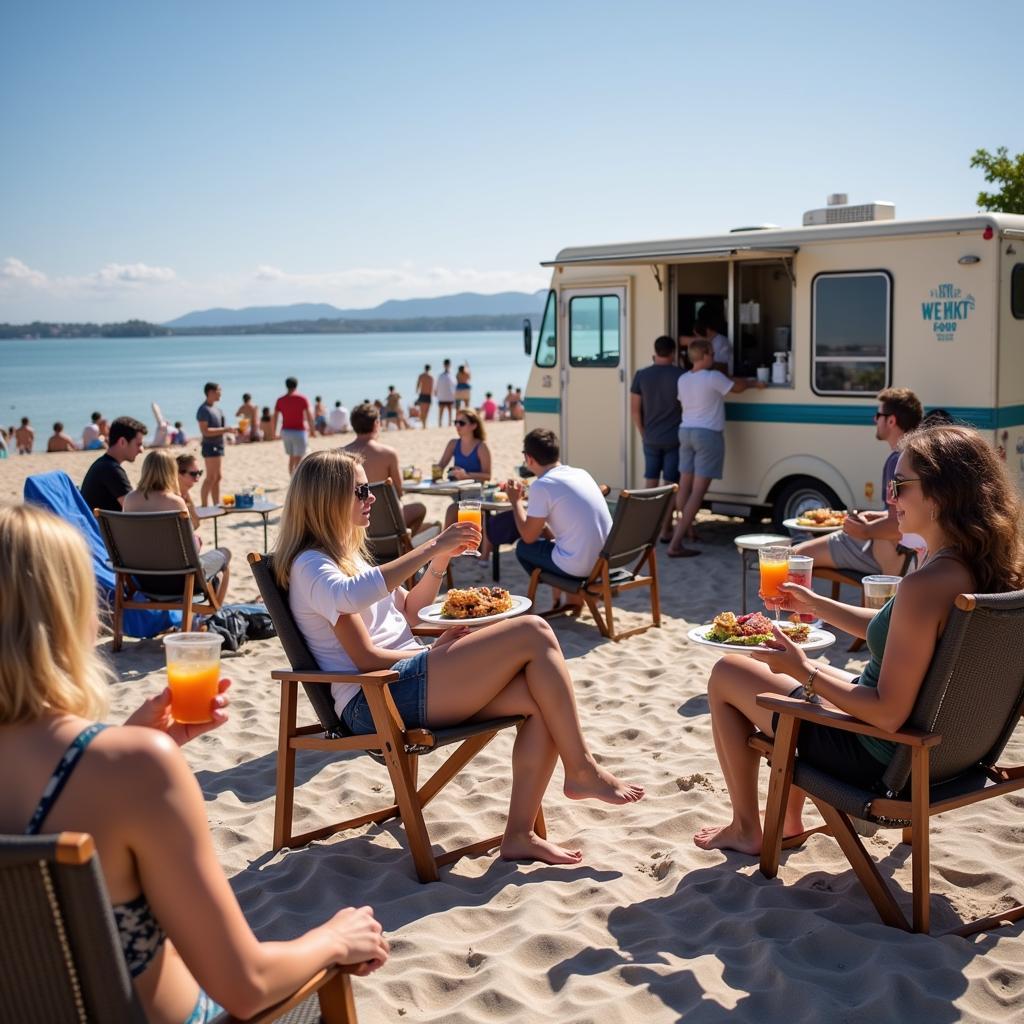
[(817, 640), (432, 614), (792, 524)]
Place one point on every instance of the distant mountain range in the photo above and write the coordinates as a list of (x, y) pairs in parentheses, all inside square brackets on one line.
[(463, 304)]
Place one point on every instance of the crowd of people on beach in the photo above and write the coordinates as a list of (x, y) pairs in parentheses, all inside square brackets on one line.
[(947, 496)]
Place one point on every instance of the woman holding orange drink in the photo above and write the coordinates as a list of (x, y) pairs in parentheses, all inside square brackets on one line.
[(357, 618), (186, 944), (949, 487)]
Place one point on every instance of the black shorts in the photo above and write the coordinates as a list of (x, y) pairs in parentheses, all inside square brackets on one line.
[(837, 752), (423, 400)]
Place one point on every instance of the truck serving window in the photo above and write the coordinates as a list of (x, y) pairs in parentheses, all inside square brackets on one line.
[(851, 324), (594, 330), (1017, 291), (547, 346)]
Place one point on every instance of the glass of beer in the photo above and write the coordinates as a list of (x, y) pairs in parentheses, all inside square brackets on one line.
[(436, 472), (774, 563), (878, 590), (193, 670), (801, 570), (470, 512)]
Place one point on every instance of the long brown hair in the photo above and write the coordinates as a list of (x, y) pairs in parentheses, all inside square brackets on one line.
[(473, 418), (318, 515), (976, 503)]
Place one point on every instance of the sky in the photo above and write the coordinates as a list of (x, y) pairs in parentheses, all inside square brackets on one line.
[(161, 158)]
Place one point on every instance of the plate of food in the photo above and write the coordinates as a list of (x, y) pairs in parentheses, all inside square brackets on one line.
[(817, 520), (475, 606), (746, 634)]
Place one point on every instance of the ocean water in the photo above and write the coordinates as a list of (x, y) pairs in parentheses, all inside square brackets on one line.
[(66, 379)]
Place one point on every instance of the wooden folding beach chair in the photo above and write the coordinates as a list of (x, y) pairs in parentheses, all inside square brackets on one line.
[(156, 553), (968, 707), (60, 956), (388, 536), (633, 536), (394, 745)]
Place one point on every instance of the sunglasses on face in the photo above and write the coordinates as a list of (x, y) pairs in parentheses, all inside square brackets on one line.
[(881, 416), (462, 423), (194, 473), (362, 492), (897, 483)]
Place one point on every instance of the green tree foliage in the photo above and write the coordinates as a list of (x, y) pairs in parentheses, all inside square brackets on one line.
[(1008, 172)]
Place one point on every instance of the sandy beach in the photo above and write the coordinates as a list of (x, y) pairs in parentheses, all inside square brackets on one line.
[(648, 928)]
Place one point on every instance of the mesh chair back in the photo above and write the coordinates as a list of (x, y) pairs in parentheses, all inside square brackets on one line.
[(157, 548), (638, 520), (387, 536), (973, 692), (295, 647), (60, 956)]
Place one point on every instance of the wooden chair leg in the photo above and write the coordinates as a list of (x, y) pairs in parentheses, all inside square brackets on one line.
[(284, 801), (337, 1004), (397, 761), (920, 872), (531, 592), (863, 866), (652, 562), (779, 785), (186, 604), (119, 585)]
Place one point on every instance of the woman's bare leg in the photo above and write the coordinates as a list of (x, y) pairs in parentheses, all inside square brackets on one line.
[(466, 675), (732, 691), (689, 506), (533, 760)]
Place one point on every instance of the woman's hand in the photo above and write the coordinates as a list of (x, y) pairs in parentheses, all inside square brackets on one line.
[(457, 473), (362, 938), (155, 713), (786, 659), (449, 636), (795, 598), (457, 537)]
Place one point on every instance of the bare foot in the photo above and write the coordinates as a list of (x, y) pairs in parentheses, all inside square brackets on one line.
[(532, 847), (792, 827), (597, 784), (728, 837)]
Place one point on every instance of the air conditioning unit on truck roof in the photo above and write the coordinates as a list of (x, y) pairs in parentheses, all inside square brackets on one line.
[(839, 211)]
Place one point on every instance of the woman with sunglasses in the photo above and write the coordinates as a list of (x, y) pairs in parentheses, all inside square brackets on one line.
[(950, 487), (357, 618), (468, 452)]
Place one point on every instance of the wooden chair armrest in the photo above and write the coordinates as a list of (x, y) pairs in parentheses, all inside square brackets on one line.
[(382, 677), (336, 976), (427, 630), (834, 718)]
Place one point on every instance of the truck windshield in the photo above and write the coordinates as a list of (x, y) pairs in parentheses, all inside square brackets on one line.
[(547, 344)]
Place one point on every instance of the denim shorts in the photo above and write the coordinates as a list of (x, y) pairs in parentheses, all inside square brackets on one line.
[(661, 460), (295, 442), (409, 694), (212, 449), (702, 452)]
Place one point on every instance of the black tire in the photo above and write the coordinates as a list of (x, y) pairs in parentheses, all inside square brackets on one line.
[(799, 494)]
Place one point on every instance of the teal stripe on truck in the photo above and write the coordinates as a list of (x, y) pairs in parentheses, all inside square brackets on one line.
[(542, 404), (833, 414)]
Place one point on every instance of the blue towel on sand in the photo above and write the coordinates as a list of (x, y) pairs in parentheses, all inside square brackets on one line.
[(57, 492)]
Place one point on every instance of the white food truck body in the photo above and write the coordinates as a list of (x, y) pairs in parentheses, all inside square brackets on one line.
[(933, 305)]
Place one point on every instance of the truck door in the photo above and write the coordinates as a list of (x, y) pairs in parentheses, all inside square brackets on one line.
[(594, 391)]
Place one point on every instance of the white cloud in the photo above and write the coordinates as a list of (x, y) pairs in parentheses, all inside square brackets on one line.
[(119, 291)]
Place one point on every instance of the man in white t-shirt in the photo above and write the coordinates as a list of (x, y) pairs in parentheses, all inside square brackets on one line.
[(444, 392), (565, 502), (702, 394), (338, 419)]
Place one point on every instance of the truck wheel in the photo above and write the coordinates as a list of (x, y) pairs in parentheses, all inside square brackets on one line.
[(798, 495)]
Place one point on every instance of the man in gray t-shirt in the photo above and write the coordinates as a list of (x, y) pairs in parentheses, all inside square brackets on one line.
[(654, 406)]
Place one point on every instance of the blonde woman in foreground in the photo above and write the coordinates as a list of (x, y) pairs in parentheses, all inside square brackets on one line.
[(356, 618), (951, 489), (186, 943)]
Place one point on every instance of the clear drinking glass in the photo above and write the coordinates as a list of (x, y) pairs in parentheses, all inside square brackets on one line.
[(801, 570), (471, 512), (193, 671), (879, 589), (774, 564)]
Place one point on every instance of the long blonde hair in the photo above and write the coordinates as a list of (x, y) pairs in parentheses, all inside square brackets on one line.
[(318, 515), (48, 658), (159, 473)]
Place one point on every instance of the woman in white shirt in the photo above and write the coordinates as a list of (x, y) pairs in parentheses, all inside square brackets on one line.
[(357, 618)]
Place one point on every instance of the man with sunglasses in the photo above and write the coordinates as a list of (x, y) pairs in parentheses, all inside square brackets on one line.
[(868, 542)]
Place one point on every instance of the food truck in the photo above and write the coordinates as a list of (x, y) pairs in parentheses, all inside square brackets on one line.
[(831, 312)]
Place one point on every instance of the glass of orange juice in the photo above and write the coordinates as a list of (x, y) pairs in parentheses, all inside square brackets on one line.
[(470, 512), (193, 671), (774, 562)]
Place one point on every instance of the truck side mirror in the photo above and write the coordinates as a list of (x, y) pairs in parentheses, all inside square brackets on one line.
[(527, 336)]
